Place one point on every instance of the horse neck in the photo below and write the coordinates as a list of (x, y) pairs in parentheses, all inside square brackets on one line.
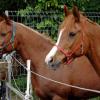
[(94, 52), (33, 46)]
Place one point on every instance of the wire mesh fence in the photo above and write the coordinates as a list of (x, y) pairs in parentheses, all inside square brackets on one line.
[(33, 19), (94, 16), (44, 22), (15, 85), (47, 23)]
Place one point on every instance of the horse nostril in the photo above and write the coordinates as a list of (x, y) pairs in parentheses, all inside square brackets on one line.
[(51, 60)]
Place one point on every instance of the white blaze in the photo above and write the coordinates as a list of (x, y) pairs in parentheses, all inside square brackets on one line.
[(54, 49)]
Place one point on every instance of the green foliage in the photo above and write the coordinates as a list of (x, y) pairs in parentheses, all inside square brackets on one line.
[(12, 4), (20, 82), (21, 85), (43, 6), (48, 24), (43, 20), (95, 98), (25, 11), (38, 7), (93, 5)]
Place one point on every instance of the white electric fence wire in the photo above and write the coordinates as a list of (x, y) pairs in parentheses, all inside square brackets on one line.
[(65, 84)]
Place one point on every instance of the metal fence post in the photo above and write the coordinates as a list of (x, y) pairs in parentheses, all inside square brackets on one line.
[(6, 12), (8, 92)]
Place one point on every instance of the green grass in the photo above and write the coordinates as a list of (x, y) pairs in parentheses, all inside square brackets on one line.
[(97, 98), (21, 83)]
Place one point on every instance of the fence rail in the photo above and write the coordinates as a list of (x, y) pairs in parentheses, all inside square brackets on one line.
[(45, 22), (23, 95)]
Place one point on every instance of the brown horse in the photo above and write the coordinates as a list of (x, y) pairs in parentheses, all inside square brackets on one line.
[(78, 36), (32, 45)]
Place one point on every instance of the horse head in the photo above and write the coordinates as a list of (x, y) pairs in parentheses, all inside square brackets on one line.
[(7, 36), (72, 41)]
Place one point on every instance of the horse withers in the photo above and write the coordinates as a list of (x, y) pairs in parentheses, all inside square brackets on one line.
[(32, 45)]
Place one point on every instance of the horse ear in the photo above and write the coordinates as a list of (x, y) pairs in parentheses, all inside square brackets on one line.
[(76, 13), (66, 10)]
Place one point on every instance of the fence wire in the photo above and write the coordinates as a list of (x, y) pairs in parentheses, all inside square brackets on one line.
[(47, 23)]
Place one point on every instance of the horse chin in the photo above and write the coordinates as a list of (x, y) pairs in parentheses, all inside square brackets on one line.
[(54, 65)]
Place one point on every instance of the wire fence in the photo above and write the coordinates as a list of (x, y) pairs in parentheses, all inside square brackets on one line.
[(33, 19), (17, 86), (45, 22), (94, 16)]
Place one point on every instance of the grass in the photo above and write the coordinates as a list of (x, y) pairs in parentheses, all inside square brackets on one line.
[(97, 98), (21, 83)]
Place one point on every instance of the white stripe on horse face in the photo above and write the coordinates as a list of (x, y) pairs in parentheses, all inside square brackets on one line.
[(54, 49)]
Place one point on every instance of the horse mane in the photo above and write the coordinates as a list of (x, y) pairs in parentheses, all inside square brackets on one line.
[(90, 21), (43, 35)]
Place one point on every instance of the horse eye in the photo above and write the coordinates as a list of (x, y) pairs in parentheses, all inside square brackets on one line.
[(3, 34), (72, 34)]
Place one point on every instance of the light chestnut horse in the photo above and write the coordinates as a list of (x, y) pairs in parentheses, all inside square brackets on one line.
[(78, 36), (32, 45)]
